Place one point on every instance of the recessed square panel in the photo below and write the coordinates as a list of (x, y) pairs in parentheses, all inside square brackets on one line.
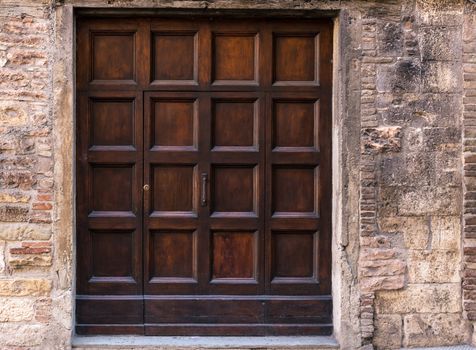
[(235, 125), (174, 56), (234, 189), (294, 190), (294, 255), (113, 56), (112, 122), (234, 255), (174, 123), (172, 188), (234, 57), (295, 58), (112, 253), (295, 124), (173, 254), (111, 187)]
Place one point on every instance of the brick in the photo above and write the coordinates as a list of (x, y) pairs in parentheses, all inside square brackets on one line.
[(42, 206), (32, 248)]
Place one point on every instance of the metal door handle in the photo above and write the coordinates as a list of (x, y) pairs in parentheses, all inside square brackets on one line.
[(203, 200)]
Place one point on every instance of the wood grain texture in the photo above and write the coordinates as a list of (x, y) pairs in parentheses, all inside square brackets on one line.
[(204, 176)]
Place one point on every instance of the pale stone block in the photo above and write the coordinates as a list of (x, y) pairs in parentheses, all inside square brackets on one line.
[(425, 200), (14, 198), (25, 287), (446, 232), (434, 330), (440, 43), (12, 114), (416, 230), (436, 266), (16, 309), (22, 335), (441, 76), (388, 332), (20, 232), (29, 260), (420, 298)]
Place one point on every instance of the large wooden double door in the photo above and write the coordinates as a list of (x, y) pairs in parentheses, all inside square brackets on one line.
[(203, 176)]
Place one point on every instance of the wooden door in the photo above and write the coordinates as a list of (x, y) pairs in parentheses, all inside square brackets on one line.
[(204, 176)]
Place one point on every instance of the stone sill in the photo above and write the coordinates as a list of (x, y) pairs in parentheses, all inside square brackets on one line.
[(191, 343)]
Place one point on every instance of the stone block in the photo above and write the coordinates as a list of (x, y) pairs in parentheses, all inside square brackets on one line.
[(14, 197), (17, 309), (388, 267), (12, 114), (20, 232), (381, 140), (434, 330), (29, 260), (440, 12), (428, 200), (420, 298), (25, 287), (21, 335), (402, 76), (390, 38), (441, 77), (440, 43), (388, 332), (372, 284), (435, 266), (409, 169), (441, 139), (445, 232), (9, 213), (416, 230), (419, 110), (23, 180)]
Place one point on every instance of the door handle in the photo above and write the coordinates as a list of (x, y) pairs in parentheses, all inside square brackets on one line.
[(203, 199)]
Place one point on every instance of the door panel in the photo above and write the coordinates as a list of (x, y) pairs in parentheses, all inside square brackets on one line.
[(204, 176)]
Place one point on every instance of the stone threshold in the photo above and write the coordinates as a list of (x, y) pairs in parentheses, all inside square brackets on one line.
[(190, 343)]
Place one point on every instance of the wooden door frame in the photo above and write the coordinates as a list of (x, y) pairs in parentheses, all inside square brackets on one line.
[(65, 126)]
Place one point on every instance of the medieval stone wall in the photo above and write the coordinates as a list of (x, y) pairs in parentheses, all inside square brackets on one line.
[(405, 164)]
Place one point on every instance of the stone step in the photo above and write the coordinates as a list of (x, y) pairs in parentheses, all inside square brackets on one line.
[(196, 343)]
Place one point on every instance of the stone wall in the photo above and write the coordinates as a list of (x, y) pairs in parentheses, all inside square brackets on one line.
[(405, 160)]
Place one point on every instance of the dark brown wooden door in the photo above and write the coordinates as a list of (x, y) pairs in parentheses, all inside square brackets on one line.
[(204, 176)]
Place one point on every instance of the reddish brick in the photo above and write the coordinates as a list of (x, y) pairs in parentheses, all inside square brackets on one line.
[(44, 197), (42, 206)]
